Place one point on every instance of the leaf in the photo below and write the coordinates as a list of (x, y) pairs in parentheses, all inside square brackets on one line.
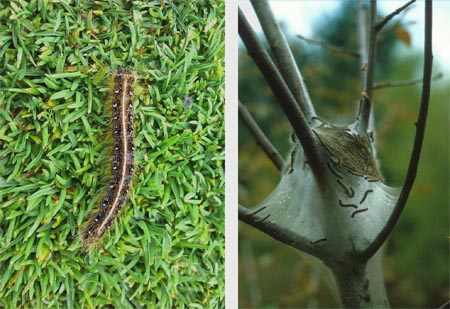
[(404, 36)]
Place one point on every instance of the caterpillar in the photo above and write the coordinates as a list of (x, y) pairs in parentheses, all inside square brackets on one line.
[(347, 205), (315, 242), (122, 166), (365, 196), (359, 211)]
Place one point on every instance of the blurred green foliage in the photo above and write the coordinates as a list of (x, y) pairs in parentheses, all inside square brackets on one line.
[(416, 265), (167, 247)]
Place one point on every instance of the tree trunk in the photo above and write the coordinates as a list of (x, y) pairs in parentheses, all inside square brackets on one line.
[(362, 285)]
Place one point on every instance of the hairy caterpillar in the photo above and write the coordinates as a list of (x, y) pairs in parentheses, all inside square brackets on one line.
[(123, 159)]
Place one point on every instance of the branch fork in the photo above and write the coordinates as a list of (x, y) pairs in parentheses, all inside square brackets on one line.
[(324, 205)]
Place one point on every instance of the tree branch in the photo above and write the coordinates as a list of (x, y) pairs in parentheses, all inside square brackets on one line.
[(261, 139), (402, 83), (283, 57), (445, 306), (382, 23), (362, 35), (366, 105), (331, 47), (276, 231), (418, 140), (284, 96)]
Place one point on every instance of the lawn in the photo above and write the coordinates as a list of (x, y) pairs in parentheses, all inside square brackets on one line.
[(166, 249)]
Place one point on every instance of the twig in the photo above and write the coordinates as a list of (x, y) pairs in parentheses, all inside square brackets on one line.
[(260, 137), (362, 32), (402, 83), (445, 306), (366, 105), (382, 23), (276, 231), (283, 57), (330, 47), (284, 96), (418, 140)]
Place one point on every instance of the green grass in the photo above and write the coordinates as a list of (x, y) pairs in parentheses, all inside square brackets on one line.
[(167, 247)]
